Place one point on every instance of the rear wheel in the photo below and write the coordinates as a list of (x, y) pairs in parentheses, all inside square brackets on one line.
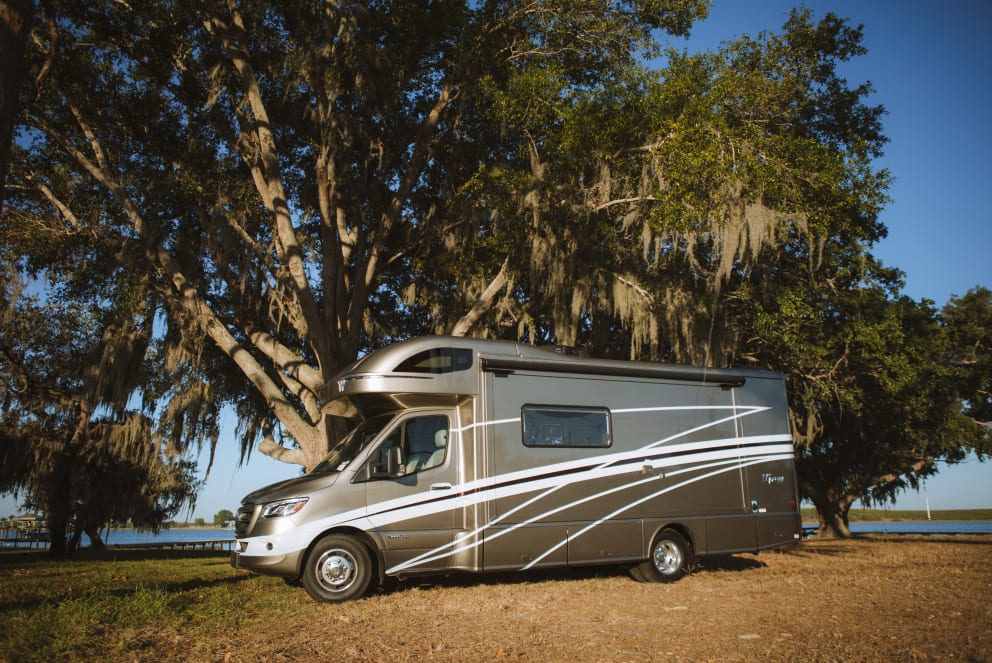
[(339, 568), (670, 558)]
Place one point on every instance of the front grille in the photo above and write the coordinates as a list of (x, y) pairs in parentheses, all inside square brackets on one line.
[(243, 520)]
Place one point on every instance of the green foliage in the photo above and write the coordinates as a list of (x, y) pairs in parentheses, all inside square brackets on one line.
[(289, 182), (268, 191), (223, 516), (968, 321), (69, 367), (874, 399)]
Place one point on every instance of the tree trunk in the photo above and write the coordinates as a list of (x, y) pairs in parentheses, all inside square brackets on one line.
[(832, 511), (74, 540), (96, 541), (833, 524), (59, 507), (16, 17)]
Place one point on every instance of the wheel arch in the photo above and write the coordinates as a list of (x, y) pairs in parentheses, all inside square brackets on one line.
[(683, 529), (363, 537)]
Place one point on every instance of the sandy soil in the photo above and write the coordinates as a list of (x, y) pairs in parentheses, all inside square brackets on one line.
[(895, 598)]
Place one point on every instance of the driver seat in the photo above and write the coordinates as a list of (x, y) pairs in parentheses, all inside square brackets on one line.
[(440, 444)]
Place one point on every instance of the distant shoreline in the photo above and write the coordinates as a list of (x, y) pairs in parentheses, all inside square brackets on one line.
[(900, 515), (808, 517)]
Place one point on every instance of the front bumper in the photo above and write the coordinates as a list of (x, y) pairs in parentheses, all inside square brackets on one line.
[(287, 565)]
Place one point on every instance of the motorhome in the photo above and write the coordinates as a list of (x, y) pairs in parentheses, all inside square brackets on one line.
[(479, 456)]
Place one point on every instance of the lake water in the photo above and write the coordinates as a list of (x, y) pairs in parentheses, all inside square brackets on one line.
[(124, 537), (121, 537), (130, 536), (924, 527)]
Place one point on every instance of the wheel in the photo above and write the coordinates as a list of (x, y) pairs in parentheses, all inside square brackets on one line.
[(339, 568), (670, 558)]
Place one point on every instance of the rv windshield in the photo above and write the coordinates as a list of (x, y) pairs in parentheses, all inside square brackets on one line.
[(351, 445)]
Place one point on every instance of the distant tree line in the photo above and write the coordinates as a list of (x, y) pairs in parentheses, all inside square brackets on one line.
[(220, 205)]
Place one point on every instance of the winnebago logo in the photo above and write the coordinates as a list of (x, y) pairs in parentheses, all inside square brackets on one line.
[(773, 479)]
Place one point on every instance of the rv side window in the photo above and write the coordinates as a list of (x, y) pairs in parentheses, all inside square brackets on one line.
[(437, 360), (550, 426)]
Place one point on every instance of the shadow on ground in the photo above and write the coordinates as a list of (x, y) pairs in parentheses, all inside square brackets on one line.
[(723, 563), (13, 558)]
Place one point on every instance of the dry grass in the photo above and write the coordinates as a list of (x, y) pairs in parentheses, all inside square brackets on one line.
[(895, 598)]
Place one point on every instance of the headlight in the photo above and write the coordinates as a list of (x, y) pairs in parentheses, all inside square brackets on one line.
[(284, 508)]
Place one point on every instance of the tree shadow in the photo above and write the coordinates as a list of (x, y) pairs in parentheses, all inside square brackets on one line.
[(26, 557), (916, 538), (817, 547), (465, 579), (728, 563), (33, 602), (11, 563), (813, 547)]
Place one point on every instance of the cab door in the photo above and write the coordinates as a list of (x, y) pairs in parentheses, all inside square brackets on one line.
[(413, 508)]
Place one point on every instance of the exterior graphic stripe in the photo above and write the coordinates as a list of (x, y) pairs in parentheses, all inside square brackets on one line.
[(558, 477), (709, 460), (720, 454), (650, 497)]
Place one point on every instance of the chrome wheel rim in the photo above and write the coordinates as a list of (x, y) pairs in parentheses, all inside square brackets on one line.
[(667, 558), (336, 569)]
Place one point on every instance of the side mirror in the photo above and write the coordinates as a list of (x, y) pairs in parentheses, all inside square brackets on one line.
[(394, 466)]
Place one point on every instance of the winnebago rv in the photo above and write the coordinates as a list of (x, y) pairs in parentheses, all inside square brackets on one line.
[(492, 455)]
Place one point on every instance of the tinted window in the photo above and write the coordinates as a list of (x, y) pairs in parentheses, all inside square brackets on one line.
[(351, 444), (423, 441), (437, 360), (549, 426)]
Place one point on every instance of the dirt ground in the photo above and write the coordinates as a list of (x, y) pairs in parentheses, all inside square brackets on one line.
[(878, 599), (872, 599)]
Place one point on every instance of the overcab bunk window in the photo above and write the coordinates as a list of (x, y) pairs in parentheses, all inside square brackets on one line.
[(551, 426), (437, 360)]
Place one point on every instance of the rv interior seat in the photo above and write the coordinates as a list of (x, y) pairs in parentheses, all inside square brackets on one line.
[(415, 462), (441, 443), (424, 460)]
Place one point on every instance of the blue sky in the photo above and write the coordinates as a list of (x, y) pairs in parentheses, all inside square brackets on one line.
[(931, 66)]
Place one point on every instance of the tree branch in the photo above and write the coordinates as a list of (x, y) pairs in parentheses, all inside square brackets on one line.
[(624, 201), (270, 448), (289, 361), (484, 303), (418, 158), (57, 203), (269, 184), (187, 295)]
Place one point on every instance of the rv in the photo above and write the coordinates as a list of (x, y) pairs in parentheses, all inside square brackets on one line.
[(479, 456)]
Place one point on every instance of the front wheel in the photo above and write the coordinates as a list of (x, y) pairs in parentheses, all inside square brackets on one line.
[(670, 558), (339, 568)]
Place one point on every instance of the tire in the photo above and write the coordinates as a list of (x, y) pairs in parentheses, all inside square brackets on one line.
[(635, 573), (671, 556), (339, 568)]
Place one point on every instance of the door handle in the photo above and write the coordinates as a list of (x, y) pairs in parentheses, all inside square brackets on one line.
[(440, 486), (649, 470)]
